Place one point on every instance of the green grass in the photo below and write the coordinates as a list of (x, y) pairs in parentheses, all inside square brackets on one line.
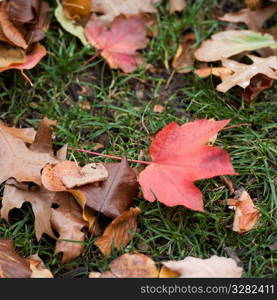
[(122, 118)]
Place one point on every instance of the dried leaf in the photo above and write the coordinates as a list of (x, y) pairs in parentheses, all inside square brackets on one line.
[(27, 135), (216, 71), (38, 268), (253, 19), (258, 83), (115, 195), (9, 56), (67, 221), (181, 156), (70, 26), (109, 10), (177, 5), (32, 59), (134, 265), (184, 58), (167, 273), (228, 43), (18, 161), (243, 73), (67, 175), (119, 45), (120, 232), (77, 9), (41, 201), (213, 267), (11, 264), (10, 31), (246, 214)]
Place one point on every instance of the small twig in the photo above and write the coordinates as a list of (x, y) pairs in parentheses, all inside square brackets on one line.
[(110, 156), (169, 79)]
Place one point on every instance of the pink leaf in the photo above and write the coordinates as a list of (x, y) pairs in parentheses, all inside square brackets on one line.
[(119, 44)]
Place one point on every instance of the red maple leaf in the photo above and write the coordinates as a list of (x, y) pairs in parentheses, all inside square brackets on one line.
[(180, 156), (120, 43)]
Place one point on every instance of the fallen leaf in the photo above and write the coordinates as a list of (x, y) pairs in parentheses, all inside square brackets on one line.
[(109, 10), (134, 265), (38, 268), (31, 17), (41, 201), (27, 135), (119, 232), (180, 156), (77, 9), (32, 59), (67, 221), (243, 73), (158, 108), (70, 25), (167, 273), (246, 214), (213, 267), (12, 265), (10, 31), (184, 58), (228, 43), (119, 45), (113, 196), (254, 4), (177, 5), (18, 161), (67, 175), (254, 19), (258, 83), (9, 56), (216, 71)]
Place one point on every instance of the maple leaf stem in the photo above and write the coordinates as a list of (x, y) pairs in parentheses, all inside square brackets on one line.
[(110, 156), (93, 57), (27, 78)]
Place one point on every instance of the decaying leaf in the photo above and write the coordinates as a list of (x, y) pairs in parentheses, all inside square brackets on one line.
[(67, 175), (243, 73), (18, 161), (177, 5), (68, 222), (70, 25), (10, 31), (32, 59), (113, 196), (134, 265), (12, 265), (228, 43), (181, 156), (254, 19), (119, 45), (184, 58), (213, 267), (216, 71), (258, 83), (246, 214), (77, 9), (9, 56), (38, 268), (41, 201), (119, 233), (109, 10), (27, 135)]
